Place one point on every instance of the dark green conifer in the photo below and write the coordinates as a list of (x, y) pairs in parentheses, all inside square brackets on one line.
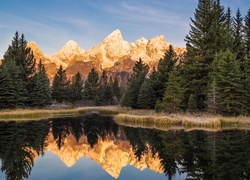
[(146, 98), (173, 94), (140, 71), (76, 88), (40, 91), (24, 60), (116, 89), (12, 87), (230, 87), (91, 86), (60, 86), (165, 66)]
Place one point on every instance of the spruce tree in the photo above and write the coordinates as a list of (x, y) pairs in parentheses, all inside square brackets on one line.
[(91, 86), (76, 88), (12, 87), (24, 60), (140, 71), (146, 98), (204, 39), (192, 104), (60, 86), (229, 30), (174, 93), (105, 92), (40, 91), (247, 35), (247, 59), (116, 90), (230, 87), (165, 65), (238, 43), (213, 98)]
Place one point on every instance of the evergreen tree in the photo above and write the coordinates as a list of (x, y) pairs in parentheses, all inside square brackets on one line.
[(60, 86), (24, 60), (146, 98), (76, 88), (164, 67), (230, 87), (247, 35), (116, 89), (140, 71), (105, 92), (213, 98), (204, 39), (238, 44), (247, 59), (91, 86), (229, 30), (192, 104), (174, 93), (40, 91), (12, 87)]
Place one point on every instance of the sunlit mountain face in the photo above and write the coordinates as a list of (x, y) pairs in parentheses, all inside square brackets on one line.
[(72, 146), (113, 54)]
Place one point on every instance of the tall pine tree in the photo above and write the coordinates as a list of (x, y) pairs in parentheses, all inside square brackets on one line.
[(12, 87), (60, 86), (173, 94), (24, 60), (227, 74), (165, 66), (247, 59), (91, 86), (40, 90), (76, 88), (204, 39), (140, 71)]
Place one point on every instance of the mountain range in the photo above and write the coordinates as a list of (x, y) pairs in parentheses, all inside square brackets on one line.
[(113, 54)]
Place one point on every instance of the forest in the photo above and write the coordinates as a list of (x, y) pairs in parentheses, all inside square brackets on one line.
[(213, 77)]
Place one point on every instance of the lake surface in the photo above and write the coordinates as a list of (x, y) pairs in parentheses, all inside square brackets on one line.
[(96, 147)]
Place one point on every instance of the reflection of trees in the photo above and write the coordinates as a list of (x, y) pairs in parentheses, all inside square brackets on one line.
[(60, 130), (18, 139), (96, 126), (198, 154), (93, 126)]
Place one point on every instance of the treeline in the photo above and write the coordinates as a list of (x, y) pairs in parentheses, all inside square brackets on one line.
[(214, 75), (24, 83), (95, 90)]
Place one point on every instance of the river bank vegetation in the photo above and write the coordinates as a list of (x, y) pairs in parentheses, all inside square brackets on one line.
[(145, 118)]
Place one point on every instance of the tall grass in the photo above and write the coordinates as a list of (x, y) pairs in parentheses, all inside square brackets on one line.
[(37, 114), (183, 120), (143, 118)]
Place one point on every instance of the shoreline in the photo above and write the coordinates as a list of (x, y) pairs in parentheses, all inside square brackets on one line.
[(145, 118)]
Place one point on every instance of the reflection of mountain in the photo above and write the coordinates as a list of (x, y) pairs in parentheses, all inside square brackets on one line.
[(111, 154), (100, 141)]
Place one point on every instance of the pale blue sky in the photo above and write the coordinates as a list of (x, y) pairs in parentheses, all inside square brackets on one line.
[(51, 23)]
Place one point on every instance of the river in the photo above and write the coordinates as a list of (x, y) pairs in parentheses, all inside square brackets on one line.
[(97, 147)]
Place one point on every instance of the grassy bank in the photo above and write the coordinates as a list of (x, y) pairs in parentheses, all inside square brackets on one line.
[(130, 117), (187, 121), (38, 114)]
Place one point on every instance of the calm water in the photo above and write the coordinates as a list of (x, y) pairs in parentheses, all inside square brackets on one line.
[(96, 147)]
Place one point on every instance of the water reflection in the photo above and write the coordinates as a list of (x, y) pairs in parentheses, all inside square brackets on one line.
[(196, 154)]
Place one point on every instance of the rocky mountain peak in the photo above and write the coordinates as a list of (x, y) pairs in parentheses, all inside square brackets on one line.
[(35, 48), (70, 52), (116, 34)]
